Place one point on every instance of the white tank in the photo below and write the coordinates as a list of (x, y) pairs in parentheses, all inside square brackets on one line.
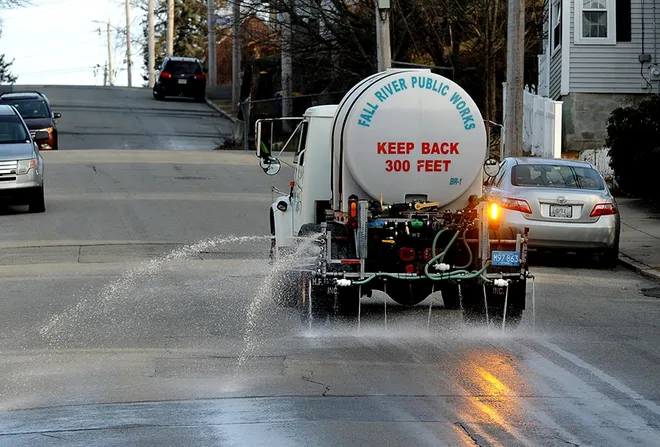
[(407, 134)]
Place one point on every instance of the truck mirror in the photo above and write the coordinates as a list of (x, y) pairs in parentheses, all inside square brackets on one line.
[(491, 167), (271, 166)]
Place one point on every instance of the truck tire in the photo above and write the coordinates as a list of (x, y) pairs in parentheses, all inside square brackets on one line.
[(475, 310), (316, 311), (450, 295), (347, 302), (472, 303)]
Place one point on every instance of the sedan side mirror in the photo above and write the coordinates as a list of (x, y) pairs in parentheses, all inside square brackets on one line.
[(57, 115), (41, 135)]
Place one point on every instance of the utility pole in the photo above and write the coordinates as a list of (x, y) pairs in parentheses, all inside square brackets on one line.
[(515, 71), (111, 76), (151, 43), (236, 56), (211, 59), (128, 43), (287, 64), (170, 27), (383, 34)]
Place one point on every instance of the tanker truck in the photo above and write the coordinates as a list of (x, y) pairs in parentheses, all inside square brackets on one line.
[(388, 187)]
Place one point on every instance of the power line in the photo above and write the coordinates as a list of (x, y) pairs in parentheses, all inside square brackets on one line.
[(66, 70)]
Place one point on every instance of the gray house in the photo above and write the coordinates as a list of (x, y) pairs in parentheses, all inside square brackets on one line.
[(598, 55)]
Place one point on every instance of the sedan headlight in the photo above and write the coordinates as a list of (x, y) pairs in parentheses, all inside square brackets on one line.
[(25, 165)]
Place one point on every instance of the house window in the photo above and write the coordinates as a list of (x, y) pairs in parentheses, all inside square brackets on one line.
[(556, 24), (595, 21)]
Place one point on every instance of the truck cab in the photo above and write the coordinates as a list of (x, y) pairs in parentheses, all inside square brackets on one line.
[(310, 192)]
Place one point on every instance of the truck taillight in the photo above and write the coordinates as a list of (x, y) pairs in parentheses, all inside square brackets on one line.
[(516, 205), (410, 268), (603, 209), (428, 254), (352, 206), (407, 254)]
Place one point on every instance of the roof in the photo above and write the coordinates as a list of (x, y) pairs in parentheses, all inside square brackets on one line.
[(6, 109), (22, 95), (182, 59), (325, 111), (550, 161)]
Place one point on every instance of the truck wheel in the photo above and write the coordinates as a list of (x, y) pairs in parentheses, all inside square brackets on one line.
[(409, 293), (515, 304), (472, 302), (309, 229), (450, 295), (285, 288), (347, 302), (318, 309)]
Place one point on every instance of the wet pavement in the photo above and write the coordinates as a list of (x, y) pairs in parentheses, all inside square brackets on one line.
[(114, 333)]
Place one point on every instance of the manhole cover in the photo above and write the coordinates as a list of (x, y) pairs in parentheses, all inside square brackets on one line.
[(653, 292)]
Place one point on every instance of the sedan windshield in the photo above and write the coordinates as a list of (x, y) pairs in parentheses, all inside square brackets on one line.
[(32, 109), (12, 130), (556, 176)]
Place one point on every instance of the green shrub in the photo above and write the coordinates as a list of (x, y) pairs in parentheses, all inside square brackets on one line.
[(633, 138)]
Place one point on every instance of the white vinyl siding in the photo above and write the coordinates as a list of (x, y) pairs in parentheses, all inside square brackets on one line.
[(598, 68)]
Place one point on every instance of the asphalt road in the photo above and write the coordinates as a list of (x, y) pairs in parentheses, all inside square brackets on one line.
[(136, 311), (123, 118)]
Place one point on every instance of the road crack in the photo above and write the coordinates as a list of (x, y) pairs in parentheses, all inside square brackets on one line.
[(310, 380), (467, 432)]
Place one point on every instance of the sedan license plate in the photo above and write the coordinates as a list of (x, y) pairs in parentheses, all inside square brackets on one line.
[(506, 258), (183, 81), (561, 211)]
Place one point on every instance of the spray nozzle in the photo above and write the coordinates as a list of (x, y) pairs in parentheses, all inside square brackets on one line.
[(442, 267), (500, 282), (344, 282)]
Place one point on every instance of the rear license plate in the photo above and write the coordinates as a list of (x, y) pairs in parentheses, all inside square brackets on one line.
[(183, 81), (506, 258), (561, 211)]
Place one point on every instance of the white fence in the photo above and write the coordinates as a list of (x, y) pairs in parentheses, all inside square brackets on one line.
[(543, 89), (541, 124), (600, 159)]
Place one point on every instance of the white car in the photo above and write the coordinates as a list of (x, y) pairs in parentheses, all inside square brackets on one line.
[(566, 205)]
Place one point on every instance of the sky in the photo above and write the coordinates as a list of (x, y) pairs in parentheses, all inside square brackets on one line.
[(57, 42)]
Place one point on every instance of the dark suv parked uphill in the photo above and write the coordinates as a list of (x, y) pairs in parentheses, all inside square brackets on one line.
[(180, 76)]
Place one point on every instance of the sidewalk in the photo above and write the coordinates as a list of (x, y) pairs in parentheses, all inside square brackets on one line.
[(640, 237)]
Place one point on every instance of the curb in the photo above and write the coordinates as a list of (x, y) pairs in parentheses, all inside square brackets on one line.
[(639, 268), (219, 110)]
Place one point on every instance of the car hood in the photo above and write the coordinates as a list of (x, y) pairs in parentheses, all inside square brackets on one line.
[(38, 123), (20, 151)]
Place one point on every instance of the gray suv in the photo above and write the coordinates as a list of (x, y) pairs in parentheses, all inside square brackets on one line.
[(21, 164)]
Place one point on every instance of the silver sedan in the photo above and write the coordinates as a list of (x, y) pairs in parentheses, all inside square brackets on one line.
[(566, 205)]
